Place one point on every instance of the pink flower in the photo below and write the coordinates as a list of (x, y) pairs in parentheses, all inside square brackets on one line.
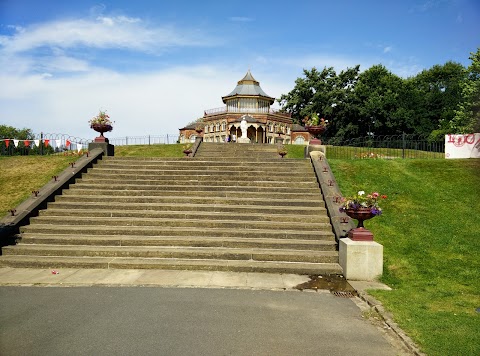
[(375, 195)]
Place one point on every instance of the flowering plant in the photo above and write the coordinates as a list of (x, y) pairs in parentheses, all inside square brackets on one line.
[(362, 201), (101, 119), (315, 120)]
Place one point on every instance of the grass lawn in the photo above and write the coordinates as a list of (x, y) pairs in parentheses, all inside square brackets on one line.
[(429, 230), (173, 150), (19, 175)]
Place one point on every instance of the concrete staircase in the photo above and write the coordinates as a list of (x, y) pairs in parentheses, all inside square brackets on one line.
[(233, 207)]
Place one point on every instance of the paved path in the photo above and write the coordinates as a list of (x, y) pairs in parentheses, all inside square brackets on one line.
[(91, 319)]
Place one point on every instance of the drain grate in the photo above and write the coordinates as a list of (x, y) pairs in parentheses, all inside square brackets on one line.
[(343, 294)]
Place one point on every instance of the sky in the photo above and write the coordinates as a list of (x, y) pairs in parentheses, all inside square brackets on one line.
[(155, 66)]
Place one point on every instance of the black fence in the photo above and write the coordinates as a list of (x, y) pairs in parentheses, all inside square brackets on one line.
[(385, 147)]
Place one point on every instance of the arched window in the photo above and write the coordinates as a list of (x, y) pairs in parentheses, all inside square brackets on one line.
[(224, 126), (217, 127), (206, 129), (300, 140), (193, 138)]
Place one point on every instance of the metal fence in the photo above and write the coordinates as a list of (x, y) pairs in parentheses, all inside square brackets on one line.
[(49, 143), (385, 147), (144, 140), (41, 144)]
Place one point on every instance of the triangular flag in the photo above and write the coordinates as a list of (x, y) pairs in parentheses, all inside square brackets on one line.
[(58, 143), (46, 142), (26, 143), (79, 147), (15, 142), (7, 142), (36, 142), (67, 143)]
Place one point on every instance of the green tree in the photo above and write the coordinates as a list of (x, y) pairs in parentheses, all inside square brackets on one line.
[(322, 92), (467, 115), (438, 91), (378, 98), (12, 132)]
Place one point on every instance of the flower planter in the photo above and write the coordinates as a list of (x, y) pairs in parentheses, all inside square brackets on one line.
[(101, 128), (360, 233), (187, 152), (282, 153), (316, 131)]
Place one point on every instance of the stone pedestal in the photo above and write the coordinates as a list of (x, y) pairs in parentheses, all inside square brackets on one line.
[(361, 260), (108, 149), (243, 140), (311, 148), (360, 234)]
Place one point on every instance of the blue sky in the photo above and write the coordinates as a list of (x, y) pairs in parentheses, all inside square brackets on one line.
[(157, 65)]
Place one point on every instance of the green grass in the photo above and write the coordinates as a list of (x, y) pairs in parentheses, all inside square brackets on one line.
[(20, 175), (295, 151), (174, 150), (344, 152), (429, 231)]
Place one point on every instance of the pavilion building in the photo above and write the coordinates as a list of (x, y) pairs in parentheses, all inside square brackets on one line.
[(246, 102)]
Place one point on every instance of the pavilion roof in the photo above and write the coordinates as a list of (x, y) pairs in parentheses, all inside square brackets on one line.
[(248, 86)]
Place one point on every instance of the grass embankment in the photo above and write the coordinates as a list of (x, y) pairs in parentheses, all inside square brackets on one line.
[(173, 150), (20, 175), (429, 231), (295, 151)]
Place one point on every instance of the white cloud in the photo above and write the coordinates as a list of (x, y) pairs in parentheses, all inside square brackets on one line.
[(387, 49), (103, 32)]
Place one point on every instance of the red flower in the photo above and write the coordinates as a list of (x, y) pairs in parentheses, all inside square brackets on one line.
[(384, 196)]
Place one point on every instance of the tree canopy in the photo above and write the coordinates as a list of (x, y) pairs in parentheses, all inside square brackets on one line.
[(442, 99)]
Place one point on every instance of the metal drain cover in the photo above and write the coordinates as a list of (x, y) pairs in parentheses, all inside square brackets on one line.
[(343, 294)]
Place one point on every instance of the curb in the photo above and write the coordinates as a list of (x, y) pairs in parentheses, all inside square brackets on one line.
[(388, 320)]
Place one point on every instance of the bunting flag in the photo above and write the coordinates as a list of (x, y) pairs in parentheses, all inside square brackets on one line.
[(79, 146)]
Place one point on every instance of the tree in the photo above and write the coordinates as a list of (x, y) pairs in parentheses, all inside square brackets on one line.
[(12, 132), (438, 92), (324, 93), (467, 115), (377, 102)]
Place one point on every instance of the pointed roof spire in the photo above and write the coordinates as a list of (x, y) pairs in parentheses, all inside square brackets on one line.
[(249, 86)]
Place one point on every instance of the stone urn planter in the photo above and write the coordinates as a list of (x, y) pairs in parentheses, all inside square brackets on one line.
[(101, 128), (360, 233), (187, 152), (316, 131)]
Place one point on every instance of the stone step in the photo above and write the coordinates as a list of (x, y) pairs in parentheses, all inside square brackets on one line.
[(48, 262), (226, 171), (205, 241), (89, 230), (204, 163), (218, 253), (217, 208), (192, 181), (204, 177), (82, 185), (116, 213), (157, 223), (318, 202), (191, 193)]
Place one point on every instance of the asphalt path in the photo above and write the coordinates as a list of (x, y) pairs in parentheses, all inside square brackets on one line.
[(182, 321)]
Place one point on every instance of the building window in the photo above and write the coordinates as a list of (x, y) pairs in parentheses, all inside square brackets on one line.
[(217, 127), (224, 126), (193, 138), (300, 140)]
